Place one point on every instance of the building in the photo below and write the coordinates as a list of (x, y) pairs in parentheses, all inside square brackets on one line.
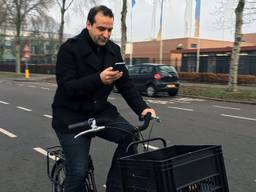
[(250, 38), (149, 51), (217, 60), (43, 45)]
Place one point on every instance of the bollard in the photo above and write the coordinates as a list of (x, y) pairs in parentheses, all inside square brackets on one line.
[(27, 75)]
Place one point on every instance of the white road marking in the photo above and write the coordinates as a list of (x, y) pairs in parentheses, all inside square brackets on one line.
[(111, 98), (238, 117), (184, 109), (186, 99), (225, 107), (52, 84), (7, 133), (185, 102), (157, 101), (43, 152), (20, 85), (48, 116), (23, 108), (45, 88), (32, 86), (4, 102)]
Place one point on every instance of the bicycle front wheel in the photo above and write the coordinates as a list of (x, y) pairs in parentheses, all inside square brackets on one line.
[(58, 176), (59, 173)]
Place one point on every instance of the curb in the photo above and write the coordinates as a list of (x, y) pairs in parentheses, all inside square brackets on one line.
[(219, 99)]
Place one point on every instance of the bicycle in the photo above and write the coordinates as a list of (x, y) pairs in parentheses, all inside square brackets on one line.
[(56, 172), (178, 168)]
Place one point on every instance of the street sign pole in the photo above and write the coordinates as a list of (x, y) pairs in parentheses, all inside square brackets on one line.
[(26, 55)]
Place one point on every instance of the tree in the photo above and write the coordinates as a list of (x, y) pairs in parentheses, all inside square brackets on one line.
[(3, 13), (64, 5), (123, 28), (233, 70), (19, 13)]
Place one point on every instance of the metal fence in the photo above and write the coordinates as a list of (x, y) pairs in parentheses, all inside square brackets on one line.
[(247, 64)]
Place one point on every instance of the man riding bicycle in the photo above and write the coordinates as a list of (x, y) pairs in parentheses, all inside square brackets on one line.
[(85, 78)]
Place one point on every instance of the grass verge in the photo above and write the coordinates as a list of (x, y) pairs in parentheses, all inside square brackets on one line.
[(219, 93)]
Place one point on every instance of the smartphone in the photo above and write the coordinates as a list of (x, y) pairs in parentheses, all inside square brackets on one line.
[(119, 66)]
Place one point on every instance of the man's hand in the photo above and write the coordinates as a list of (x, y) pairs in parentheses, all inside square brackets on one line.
[(149, 110), (108, 76)]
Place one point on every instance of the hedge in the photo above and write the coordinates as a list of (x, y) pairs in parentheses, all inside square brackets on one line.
[(219, 78)]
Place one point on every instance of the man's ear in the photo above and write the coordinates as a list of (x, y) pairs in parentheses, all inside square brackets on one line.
[(88, 25)]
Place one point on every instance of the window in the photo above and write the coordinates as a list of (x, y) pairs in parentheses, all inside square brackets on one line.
[(146, 69), (167, 69), (193, 45), (133, 70)]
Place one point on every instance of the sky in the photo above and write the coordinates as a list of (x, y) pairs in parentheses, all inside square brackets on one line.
[(143, 20)]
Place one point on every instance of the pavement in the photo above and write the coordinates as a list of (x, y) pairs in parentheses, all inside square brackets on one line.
[(33, 78), (51, 78)]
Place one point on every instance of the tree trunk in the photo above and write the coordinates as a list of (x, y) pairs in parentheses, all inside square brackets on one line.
[(233, 70), (18, 56), (61, 29), (18, 39), (123, 28)]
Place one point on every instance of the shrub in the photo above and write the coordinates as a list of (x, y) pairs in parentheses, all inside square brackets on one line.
[(219, 78)]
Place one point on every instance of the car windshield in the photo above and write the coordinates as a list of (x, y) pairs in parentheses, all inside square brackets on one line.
[(167, 69)]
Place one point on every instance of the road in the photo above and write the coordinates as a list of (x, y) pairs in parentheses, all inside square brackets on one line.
[(25, 133)]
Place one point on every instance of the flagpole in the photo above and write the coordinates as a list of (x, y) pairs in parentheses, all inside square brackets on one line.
[(160, 34), (131, 44), (197, 32)]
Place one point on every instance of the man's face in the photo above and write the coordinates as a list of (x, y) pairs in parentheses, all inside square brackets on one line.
[(101, 29)]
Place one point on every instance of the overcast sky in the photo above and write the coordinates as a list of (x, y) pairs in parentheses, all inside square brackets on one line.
[(145, 24)]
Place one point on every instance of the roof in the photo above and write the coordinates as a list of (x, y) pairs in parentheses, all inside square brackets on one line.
[(219, 49)]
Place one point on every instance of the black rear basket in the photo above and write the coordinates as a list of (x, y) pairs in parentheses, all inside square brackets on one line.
[(180, 168)]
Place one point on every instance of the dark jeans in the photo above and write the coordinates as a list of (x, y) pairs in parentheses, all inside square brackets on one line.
[(76, 152)]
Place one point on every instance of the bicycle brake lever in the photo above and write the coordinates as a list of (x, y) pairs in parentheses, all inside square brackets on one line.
[(157, 119)]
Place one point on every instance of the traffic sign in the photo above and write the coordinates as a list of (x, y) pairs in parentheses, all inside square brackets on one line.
[(26, 52)]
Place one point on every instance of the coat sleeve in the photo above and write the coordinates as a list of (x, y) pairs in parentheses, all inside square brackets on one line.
[(130, 93), (67, 76)]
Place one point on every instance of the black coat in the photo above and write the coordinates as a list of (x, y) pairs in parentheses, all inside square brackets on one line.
[(80, 93)]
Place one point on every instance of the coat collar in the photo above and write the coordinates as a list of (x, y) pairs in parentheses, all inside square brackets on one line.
[(85, 48), (85, 42)]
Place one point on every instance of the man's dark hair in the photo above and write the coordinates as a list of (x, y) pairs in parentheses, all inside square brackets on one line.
[(101, 8)]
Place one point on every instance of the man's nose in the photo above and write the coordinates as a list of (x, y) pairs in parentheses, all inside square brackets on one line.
[(106, 34)]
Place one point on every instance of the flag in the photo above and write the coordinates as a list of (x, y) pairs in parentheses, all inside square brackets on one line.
[(159, 35), (133, 3), (188, 17), (197, 17)]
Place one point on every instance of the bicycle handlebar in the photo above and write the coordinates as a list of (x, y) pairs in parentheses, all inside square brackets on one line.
[(87, 123), (92, 125)]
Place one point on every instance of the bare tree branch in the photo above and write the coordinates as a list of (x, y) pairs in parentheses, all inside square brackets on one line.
[(19, 12)]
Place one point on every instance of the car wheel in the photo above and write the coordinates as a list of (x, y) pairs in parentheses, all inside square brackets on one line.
[(151, 91), (173, 92)]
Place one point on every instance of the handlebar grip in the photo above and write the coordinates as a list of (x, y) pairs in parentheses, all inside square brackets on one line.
[(78, 125)]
